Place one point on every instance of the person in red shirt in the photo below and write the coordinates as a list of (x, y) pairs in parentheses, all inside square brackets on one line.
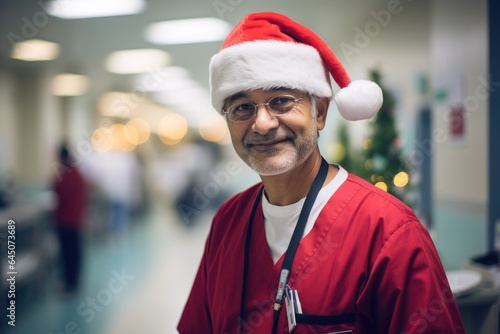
[(70, 190), (311, 248)]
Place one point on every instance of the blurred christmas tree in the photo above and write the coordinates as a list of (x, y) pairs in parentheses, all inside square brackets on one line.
[(384, 165), (381, 161)]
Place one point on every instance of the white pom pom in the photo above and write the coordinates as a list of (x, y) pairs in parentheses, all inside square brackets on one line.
[(361, 99)]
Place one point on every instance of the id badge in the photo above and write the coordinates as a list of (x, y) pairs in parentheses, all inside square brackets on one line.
[(290, 308)]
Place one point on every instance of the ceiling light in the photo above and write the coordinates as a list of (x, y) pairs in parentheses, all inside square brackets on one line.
[(136, 61), (69, 84), (168, 78), (79, 9), (187, 31), (35, 50)]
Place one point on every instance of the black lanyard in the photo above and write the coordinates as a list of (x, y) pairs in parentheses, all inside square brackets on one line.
[(292, 246)]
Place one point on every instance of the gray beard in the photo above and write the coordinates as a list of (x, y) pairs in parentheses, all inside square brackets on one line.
[(283, 163)]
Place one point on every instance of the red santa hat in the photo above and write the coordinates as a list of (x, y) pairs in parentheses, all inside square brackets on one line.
[(269, 50)]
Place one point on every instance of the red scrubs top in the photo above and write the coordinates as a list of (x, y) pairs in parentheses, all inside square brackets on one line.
[(367, 255)]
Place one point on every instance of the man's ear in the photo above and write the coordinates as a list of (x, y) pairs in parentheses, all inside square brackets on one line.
[(322, 105)]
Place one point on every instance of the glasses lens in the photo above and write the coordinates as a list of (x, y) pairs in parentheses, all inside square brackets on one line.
[(282, 104), (241, 112)]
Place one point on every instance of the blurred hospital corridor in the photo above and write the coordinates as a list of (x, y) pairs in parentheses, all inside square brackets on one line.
[(134, 283), (114, 159)]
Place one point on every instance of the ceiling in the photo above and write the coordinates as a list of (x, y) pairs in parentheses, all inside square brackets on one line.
[(86, 42)]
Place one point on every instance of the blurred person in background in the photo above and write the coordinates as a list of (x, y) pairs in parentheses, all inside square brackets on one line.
[(118, 176), (70, 189), (311, 248)]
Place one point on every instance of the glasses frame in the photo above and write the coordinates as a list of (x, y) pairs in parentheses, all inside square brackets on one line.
[(272, 112)]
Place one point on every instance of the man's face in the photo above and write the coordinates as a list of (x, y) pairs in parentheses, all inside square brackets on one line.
[(273, 145)]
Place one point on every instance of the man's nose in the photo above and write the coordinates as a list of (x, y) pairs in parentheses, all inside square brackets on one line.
[(264, 121)]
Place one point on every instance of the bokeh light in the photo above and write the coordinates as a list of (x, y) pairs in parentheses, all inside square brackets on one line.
[(142, 131), (102, 139), (401, 179), (120, 139), (368, 164), (172, 128), (381, 185), (213, 128), (367, 144), (337, 151)]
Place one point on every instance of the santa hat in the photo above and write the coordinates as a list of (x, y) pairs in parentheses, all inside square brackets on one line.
[(269, 50)]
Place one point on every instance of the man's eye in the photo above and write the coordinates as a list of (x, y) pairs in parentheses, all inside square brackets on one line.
[(282, 100), (243, 108)]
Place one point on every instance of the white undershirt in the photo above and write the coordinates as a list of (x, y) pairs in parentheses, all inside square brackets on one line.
[(280, 221)]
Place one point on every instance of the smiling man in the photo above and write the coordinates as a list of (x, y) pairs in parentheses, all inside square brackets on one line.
[(311, 248)]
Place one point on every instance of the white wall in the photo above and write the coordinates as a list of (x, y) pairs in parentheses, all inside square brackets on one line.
[(8, 124), (459, 45), (37, 128), (459, 64)]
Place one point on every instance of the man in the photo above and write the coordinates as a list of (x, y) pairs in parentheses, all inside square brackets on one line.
[(70, 190), (311, 249)]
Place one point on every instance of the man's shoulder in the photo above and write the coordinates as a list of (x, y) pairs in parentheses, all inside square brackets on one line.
[(239, 202), (229, 222), (369, 195), (379, 215)]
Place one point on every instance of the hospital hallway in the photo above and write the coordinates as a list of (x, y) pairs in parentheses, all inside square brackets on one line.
[(113, 134), (138, 281)]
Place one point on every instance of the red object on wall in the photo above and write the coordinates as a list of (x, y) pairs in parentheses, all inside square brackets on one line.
[(457, 121)]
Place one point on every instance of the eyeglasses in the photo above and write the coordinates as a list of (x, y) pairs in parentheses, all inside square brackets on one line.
[(276, 106)]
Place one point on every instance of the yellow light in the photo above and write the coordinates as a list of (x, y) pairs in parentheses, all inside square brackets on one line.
[(381, 185), (102, 139), (401, 179), (367, 144), (69, 84), (172, 128), (121, 142), (213, 128), (337, 151), (116, 104), (373, 178), (35, 50), (368, 164), (131, 135), (142, 130)]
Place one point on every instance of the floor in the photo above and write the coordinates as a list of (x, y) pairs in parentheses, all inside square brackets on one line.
[(133, 283)]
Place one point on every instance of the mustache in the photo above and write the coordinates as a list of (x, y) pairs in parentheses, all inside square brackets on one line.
[(273, 135)]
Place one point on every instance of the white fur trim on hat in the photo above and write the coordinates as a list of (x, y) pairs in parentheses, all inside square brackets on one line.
[(267, 64)]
